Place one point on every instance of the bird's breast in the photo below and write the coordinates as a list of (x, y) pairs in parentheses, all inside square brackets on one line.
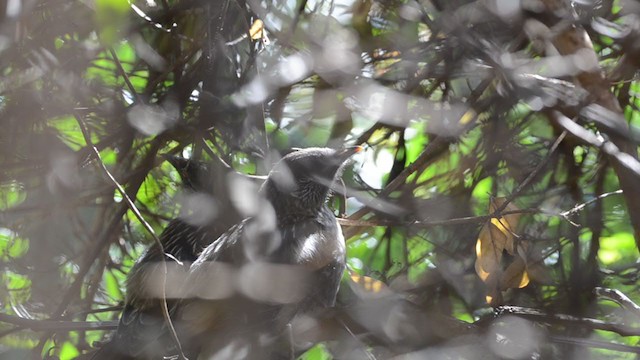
[(319, 248)]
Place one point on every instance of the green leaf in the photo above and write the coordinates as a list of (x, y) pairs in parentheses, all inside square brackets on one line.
[(11, 194), (68, 351), (482, 192), (318, 352), (12, 246), (112, 286), (111, 17), (69, 132), (618, 247)]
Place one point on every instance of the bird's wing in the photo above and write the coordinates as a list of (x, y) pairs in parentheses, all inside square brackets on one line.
[(208, 287), (142, 323)]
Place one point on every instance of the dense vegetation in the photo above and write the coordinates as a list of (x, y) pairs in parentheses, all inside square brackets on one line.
[(501, 174)]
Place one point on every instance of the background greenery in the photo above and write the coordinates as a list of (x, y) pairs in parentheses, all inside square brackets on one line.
[(460, 103)]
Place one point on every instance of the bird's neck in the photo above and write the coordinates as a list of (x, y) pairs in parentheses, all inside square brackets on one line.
[(300, 205)]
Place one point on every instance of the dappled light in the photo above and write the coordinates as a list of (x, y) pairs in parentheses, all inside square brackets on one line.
[(319, 179)]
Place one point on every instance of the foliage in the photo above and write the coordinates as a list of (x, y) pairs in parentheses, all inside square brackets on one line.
[(496, 123)]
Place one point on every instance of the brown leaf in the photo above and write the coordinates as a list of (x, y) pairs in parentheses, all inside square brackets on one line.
[(257, 30), (496, 236), (515, 275), (511, 219), (365, 285), (483, 275), (494, 295), (491, 243), (506, 224), (539, 273)]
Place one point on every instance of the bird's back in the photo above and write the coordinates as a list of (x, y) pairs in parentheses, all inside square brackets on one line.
[(302, 273)]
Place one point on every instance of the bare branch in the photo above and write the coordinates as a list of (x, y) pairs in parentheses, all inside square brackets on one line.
[(58, 325), (562, 319), (145, 224)]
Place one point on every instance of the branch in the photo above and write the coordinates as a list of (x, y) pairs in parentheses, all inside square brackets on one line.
[(562, 319), (349, 222), (579, 207), (39, 325), (595, 344), (533, 174), (621, 158), (430, 153), (145, 224), (620, 298), (124, 76)]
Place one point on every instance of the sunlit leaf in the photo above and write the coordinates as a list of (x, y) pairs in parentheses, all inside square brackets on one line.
[(11, 194), (617, 247), (112, 286), (368, 286), (68, 351), (257, 30), (318, 352), (111, 18), (515, 275), (492, 243)]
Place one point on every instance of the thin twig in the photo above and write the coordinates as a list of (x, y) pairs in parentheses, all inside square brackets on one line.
[(431, 152), (356, 223), (563, 319), (145, 224), (579, 207), (533, 174), (455, 221), (595, 344), (369, 355), (124, 76), (620, 298), (621, 158), (58, 325)]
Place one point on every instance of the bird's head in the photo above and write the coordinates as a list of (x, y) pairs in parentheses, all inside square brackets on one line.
[(301, 181), (195, 175)]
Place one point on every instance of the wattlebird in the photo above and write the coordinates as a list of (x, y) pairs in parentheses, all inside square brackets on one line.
[(142, 322), (286, 259)]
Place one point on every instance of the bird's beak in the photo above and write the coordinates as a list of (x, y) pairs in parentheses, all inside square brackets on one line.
[(347, 152)]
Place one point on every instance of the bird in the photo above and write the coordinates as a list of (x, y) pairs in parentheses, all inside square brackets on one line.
[(142, 319), (284, 260)]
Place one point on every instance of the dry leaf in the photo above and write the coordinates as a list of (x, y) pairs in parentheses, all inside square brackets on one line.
[(367, 286), (511, 219), (491, 243), (481, 273), (539, 273), (496, 237), (257, 30), (515, 275)]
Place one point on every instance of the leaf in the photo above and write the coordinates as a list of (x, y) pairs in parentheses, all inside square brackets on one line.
[(619, 247), (492, 242), (497, 236), (112, 287), (494, 295), (539, 273), (111, 18), (515, 275), (257, 30), (68, 351), (12, 246), (506, 224), (503, 227), (367, 286), (318, 352), (511, 219), (481, 273)]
